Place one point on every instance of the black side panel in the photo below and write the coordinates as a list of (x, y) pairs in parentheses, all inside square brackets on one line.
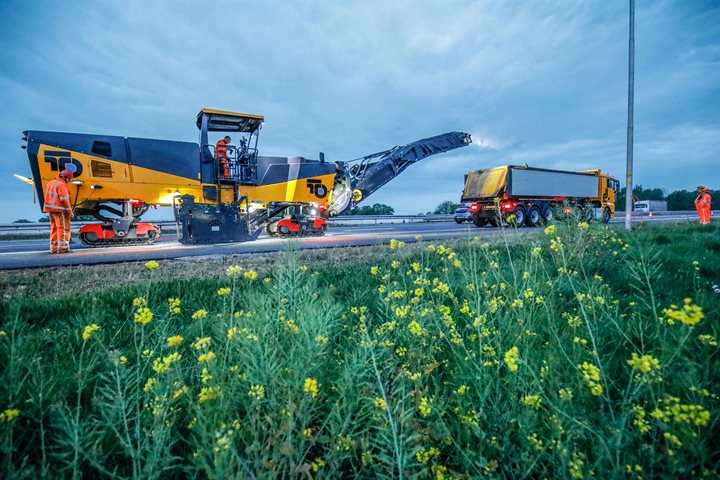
[(282, 169), (81, 142), (210, 192), (176, 158), (204, 223)]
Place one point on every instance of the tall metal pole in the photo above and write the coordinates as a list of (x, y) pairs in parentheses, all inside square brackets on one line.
[(631, 101)]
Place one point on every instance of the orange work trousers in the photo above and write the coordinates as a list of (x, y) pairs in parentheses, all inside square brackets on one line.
[(704, 213), (224, 166), (59, 231)]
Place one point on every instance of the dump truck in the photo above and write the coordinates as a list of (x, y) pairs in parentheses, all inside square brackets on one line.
[(217, 196), (523, 195)]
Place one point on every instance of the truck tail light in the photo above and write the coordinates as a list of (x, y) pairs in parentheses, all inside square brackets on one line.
[(136, 202), (508, 205), (474, 207), (567, 210)]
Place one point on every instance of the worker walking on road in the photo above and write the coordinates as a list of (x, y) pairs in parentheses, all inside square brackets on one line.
[(57, 206), (703, 204), (221, 151)]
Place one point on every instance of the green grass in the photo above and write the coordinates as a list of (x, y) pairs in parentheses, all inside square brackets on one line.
[(470, 359)]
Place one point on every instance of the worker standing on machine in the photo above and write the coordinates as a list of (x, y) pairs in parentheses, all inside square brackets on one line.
[(703, 204), (221, 151), (57, 206)]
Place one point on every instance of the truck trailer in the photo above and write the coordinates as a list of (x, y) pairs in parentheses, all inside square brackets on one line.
[(523, 195)]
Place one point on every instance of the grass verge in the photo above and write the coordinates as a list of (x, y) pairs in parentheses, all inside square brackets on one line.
[(576, 352)]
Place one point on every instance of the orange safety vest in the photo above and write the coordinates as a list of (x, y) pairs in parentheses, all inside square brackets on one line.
[(57, 197), (221, 148), (705, 200)]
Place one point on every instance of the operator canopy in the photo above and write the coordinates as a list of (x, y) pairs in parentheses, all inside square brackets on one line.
[(221, 121)]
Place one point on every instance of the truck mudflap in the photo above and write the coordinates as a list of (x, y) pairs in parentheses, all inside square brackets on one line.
[(200, 223)]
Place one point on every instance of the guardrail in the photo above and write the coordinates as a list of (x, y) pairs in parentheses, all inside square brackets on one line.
[(170, 225)]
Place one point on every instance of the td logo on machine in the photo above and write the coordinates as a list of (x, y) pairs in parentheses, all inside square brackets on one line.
[(60, 160)]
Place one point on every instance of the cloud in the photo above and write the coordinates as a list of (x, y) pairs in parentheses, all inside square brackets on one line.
[(532, 82)]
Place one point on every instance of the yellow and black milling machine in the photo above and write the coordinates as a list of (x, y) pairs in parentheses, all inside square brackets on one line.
[(117, 179)]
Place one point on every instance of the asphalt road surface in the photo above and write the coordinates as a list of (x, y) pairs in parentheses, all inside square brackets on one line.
[(15, 254)]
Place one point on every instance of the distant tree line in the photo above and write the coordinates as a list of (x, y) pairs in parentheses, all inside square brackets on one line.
[(377, 209), (677, 200)]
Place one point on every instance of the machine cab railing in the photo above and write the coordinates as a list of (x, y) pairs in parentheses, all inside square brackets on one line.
[(237, 162)]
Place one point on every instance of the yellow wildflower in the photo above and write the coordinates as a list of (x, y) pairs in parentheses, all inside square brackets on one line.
[(174, 341), (311, 387), (536, 251), (199, 315), (257, 392), (317, 464), (583, 225), (152, 265), (461, 390), (206, 357), (208, 393), (425, 407), (223, 291), (9, 414), (424, 456), (250, 275), (565, 394), (307, 433), (688, 314), (645, 363), (139, 302), (550, 229), (180, 392), (149, 384), (143, 316), (88, 331), (232, 331), (201, 343), (416, 267), (533, 401), (708, 340), (380, 403), (395, 264), (174, 305), (511, 358), (160, 365), (373, 271), (591, 373), (416, 329), (457, 264), (205, 376), (123, 360), (233, 270)]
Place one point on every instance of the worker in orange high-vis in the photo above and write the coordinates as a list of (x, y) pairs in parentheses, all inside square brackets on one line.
[(221, 151), (57, 206), (703, 204)]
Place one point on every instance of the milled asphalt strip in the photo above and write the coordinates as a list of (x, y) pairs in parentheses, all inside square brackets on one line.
[(162, 252)]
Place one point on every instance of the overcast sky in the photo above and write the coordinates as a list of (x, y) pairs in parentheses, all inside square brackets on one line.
[(537, 82)]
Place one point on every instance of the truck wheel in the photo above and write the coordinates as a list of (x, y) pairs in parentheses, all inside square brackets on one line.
[(533, 217), (519, 213), (547, 214), (606, 214), (479, 222)]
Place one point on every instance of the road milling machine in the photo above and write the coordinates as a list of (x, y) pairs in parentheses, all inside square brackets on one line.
[(228, 195)]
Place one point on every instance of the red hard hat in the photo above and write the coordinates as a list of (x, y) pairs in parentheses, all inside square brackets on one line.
[(67, 174)]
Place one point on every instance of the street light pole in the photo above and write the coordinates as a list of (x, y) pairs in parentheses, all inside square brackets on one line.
[(631, 101)]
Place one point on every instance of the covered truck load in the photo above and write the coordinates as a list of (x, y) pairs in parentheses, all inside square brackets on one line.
[(528, 195)]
